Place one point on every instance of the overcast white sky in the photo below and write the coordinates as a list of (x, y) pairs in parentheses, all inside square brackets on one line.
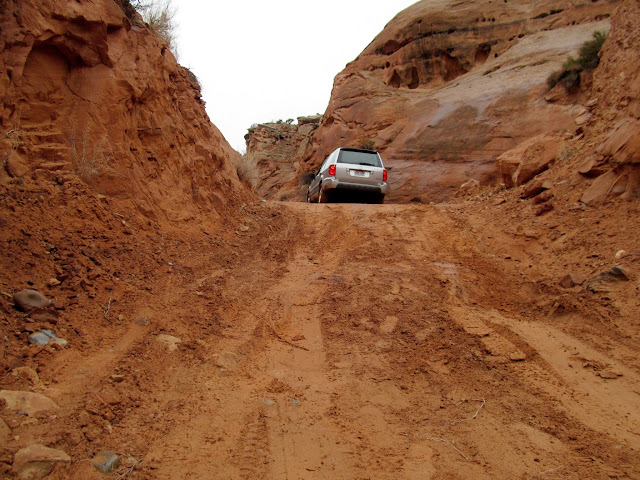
[(260, 61)]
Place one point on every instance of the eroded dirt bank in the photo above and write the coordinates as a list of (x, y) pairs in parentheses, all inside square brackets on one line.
[(350, 341)]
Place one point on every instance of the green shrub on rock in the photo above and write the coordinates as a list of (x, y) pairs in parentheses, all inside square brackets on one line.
[(569, 75)]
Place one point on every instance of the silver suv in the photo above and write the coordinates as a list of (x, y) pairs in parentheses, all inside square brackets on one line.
[(349, 169)]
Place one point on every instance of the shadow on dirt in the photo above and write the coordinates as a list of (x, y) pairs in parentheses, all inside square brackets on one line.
[(338, 196)]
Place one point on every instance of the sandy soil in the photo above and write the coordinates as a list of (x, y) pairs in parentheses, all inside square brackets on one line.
[(342, 341)]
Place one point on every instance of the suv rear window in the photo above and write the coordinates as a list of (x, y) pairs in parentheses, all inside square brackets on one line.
[(359, 157)]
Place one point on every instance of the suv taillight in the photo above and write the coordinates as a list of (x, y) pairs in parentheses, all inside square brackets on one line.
[(384, 175), (332, 170)]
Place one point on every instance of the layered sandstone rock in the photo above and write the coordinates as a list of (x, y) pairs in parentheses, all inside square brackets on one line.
[(276, 149), (88, 91), (612, 141), (448, 86), (533, 156)]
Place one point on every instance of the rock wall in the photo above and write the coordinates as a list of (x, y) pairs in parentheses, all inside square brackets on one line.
[(276, 149), (610, 158), (448, 86), (88, 91)]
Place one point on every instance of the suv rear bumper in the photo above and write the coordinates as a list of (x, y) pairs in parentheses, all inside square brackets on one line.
[(332, 183)]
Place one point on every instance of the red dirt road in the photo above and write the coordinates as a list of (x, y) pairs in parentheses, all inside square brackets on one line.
[(346, 342)]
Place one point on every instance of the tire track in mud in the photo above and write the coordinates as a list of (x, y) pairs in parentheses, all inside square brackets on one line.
[(262, 370), (582, 405), (360, 341), (424, 262), (298, 390)]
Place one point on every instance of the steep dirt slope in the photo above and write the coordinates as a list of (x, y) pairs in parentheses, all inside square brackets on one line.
[(90, 92), (448, 86), (345, 341), (495, 337), (107, 160)]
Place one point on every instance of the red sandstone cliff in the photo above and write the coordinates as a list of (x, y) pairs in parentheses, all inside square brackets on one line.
[(88, 92), (609, 157), (275, 150), (447, 87)]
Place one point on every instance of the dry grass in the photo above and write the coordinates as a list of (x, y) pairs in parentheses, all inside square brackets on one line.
[(160, 18), (159, 15), (368, 144), (89, 160), (247, 169), (565, 152), (13, 135)]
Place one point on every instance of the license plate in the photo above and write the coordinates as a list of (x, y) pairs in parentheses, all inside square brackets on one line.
[(359, 173)]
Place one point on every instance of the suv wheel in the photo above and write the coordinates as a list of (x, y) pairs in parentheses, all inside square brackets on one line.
[(322, 195)]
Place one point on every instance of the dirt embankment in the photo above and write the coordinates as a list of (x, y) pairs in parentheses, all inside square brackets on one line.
[(495, 337), (346, 341), (92, 94)]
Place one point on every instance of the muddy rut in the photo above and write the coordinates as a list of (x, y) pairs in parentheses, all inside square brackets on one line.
[(355, 342)]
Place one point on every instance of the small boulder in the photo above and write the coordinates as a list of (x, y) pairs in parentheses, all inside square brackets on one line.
[(47, 337), (535, 188), (533, 156), (106, 461), (584, 118), (28, 374), (517, 356), (593, 166), (591, 103), (36, 461), (170, 341), (602, 281), (623, 142), (44, 315), (28, 402), (615, 274), (39, 338), (26, 300), (609, 374), (572, 279), (110, 395), (542, 198), (542, 209), (5, 432), (16, 166), (227, 360), (611, 184)]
